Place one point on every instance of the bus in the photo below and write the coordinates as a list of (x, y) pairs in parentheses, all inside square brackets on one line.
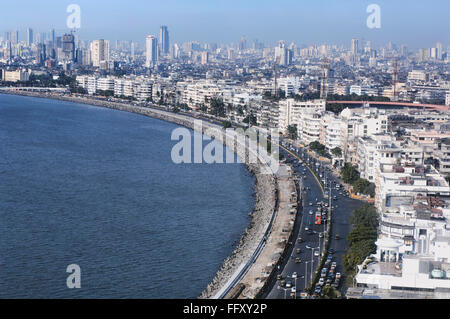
[(318, 218)]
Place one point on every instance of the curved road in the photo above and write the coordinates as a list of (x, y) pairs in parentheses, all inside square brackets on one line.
[(342, 209)]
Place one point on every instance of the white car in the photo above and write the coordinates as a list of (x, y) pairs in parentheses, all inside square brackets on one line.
[(316, 253), (294, 275), (294, 290)]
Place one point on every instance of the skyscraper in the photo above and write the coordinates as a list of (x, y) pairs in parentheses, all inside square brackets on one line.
[(52, 36), (29, 37), (99, 52), (15, 37), (439, 51), (355, 46), (151, 47), (164, 38), (68, 47)]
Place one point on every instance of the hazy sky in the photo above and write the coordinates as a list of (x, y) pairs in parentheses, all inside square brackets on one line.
[(417, 23)]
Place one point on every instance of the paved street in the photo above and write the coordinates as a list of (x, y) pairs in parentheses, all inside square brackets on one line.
[(343, 206)]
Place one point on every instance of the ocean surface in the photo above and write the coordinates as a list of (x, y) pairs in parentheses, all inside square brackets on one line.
[(97, 187)]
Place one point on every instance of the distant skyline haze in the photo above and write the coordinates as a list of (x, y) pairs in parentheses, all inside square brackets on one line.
[(414, 23)]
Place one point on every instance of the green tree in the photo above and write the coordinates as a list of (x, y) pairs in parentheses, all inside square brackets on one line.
[(363, 186), (361, 239), (292, 132), (217, 107), (337, 152), (349, 173), (250, 119), (226, 124)]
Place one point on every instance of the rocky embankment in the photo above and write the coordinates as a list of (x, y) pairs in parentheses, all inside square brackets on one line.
[(261, 216)]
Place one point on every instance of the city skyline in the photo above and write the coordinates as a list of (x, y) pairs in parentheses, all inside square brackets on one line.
[(304, 23)]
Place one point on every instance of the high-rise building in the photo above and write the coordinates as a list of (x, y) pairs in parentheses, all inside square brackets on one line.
[(151, 49), (15, 37), (52, 36), (205, 57), (439, 51), (41, 54), (29, 37), (99, 52), (281, 54), (133, 50), (175, 51), (242, 44), (355, 46), (68, 48), (164, 38)]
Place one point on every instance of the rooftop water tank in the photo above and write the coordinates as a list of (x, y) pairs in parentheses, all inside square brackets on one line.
[(437, 273)]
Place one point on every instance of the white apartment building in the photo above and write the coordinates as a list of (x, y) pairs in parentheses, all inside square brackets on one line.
[(99, 52), (417, 75), (105, 84), (413, 250), (333, 130), (15, 76), (151, 51), (291, 112)]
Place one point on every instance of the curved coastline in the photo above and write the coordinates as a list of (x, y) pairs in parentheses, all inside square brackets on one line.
[(264, 188)]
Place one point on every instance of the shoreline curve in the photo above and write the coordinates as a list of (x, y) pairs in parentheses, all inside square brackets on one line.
[(264, 189)]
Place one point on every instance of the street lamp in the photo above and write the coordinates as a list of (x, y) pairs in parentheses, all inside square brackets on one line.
[(306, 273)]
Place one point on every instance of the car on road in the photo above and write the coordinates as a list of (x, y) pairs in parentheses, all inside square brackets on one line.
[(293, 290), (316, 254), (334, 264), (294, 275), (299, 240), (321, 281), (337, 237), (288, 284), (297, 260), (338, 275), (298, 250), (331, 251), (311, 212), (306, 228), (310, 204), (321, 235)]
